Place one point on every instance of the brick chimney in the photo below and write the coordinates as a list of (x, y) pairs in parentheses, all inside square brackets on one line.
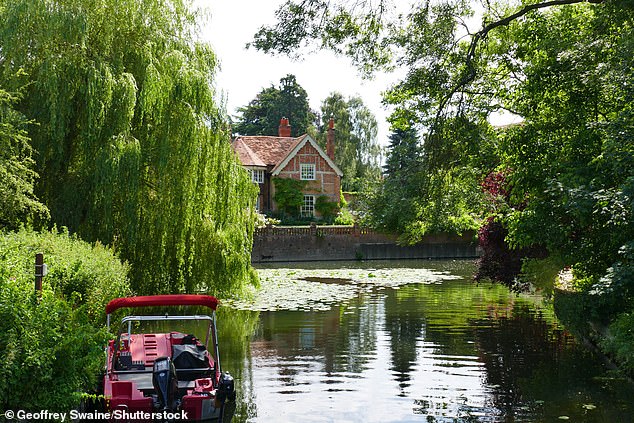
[(330, 140), (284, 130)]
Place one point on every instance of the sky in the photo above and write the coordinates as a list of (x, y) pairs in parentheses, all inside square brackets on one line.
[(244, 73)]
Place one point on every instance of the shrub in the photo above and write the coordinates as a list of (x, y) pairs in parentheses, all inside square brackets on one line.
[(78, 271), (288, 195), (52, 348), (620, 343), (500, 262), (326, 208), (345, 217)]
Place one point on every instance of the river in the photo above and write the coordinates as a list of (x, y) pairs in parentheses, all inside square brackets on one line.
[(436, 349)]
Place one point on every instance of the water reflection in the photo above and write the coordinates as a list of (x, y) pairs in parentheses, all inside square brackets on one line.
[(449, 352)]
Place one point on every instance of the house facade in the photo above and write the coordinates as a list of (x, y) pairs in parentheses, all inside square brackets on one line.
[(301, 158)]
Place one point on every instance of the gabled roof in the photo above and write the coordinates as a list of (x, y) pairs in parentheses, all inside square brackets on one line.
[(301, 142), (263, 150)]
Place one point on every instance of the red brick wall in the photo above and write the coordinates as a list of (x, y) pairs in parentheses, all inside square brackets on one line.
[(326, 182)]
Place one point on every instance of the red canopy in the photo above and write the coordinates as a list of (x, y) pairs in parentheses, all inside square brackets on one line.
[(162, 300)]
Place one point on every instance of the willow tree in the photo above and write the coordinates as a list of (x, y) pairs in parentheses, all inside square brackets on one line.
[(131, 146), (18, 205)]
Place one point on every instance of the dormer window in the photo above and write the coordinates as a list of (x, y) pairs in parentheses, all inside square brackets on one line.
[(307, 171)]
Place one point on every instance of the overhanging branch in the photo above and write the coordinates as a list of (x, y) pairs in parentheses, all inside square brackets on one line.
[(470, 72)]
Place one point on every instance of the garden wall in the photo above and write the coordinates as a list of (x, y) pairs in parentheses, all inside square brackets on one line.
[(329, 243)]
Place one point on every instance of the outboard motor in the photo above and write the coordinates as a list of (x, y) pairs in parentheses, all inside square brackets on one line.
[(226, 391), (226, 388), (165, 383)]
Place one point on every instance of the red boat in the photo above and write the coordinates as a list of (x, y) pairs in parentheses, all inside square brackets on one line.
[(159, 370)]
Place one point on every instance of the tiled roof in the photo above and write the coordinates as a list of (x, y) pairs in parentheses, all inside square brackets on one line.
[(245, 154), (263, 151)]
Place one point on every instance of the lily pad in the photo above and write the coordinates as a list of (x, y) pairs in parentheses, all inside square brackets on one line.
[(320, 289)]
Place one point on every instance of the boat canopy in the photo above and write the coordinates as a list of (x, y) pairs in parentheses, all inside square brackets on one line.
[(162, 300)]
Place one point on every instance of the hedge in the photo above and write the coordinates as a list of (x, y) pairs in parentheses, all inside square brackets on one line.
[(52, 347)]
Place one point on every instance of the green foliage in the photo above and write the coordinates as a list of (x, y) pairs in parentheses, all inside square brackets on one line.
[(338, 26), (18, 204), (85, 274), (443, 201), (345, 217), (56, 344), (131, 146), (542, 273), (262, 115), (289, 195), (616, 287), (326, 208), (571, 167), (357, 152), (620, 342)]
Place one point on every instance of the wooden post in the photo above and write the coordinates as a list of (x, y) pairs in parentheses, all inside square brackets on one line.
[(39, 273)]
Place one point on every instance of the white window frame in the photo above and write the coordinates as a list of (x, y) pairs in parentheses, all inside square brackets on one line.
[(307, 172), (308, 208), (257, 175)]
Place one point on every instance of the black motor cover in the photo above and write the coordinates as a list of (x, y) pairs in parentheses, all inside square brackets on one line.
[(226, 388), (165, 383)]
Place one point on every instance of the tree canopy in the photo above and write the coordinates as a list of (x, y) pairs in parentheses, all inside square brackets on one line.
[(131, 147), (262, 115), (357, 152), (563, 66)]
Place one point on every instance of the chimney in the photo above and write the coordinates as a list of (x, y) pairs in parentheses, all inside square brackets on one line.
[(284, 129), (330, 140)]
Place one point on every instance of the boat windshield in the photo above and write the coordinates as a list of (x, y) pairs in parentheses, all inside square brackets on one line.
[(199, 326)]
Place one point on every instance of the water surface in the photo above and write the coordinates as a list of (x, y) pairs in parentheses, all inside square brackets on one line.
[(438, 350)]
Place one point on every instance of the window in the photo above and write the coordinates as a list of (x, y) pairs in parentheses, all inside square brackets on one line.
[(257, 204), (307, 172), (257, 175), (308, 208)]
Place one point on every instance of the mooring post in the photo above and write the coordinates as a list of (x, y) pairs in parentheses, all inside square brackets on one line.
[(39, 273)]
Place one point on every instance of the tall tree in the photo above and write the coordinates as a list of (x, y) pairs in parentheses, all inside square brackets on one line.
[(403, 153), (132, 147), (18, 204), (392, 205), (357, 152), (262, 115)]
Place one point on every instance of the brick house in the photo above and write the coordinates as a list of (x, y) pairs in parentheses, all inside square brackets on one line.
[(267, 157)]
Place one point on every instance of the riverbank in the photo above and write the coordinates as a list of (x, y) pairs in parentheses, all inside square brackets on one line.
[(580, 313)]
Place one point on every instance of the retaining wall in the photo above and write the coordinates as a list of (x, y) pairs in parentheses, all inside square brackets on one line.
[(329, 243)]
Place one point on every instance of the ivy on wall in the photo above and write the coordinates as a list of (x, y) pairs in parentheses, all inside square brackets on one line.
[(289, 195)]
